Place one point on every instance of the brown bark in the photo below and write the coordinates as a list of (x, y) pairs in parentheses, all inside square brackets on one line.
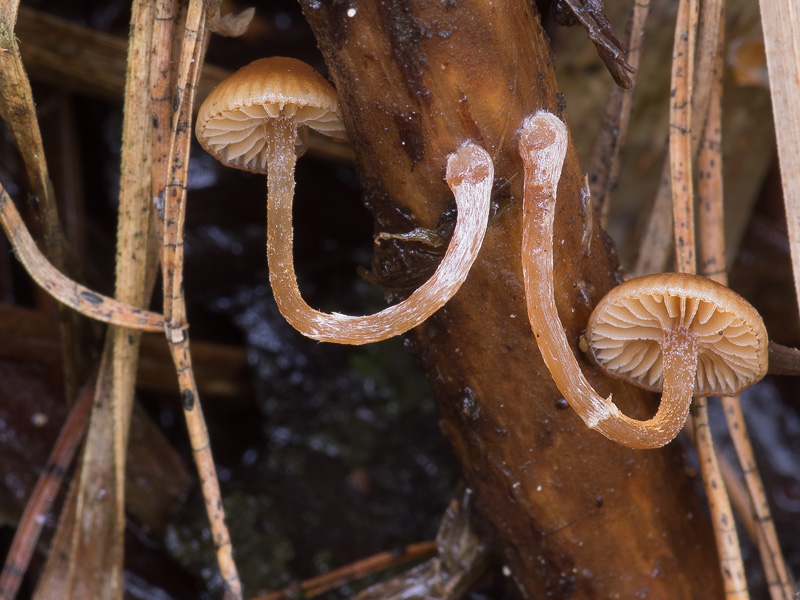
[(577, 516)]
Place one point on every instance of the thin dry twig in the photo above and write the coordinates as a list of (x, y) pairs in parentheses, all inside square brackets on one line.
[(589, 13), (191, 59), (616, 117), (343, 575), (44, 494), (59, 286), (713, 265), (657, 241), (680, 135)]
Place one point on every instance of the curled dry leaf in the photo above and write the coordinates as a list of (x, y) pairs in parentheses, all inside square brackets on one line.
[(231, 24)]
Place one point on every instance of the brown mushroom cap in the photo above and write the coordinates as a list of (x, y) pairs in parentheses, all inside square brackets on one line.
[(231, 121), (626, 330)]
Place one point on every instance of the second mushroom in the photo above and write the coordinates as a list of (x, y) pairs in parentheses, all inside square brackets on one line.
[(683, 333)]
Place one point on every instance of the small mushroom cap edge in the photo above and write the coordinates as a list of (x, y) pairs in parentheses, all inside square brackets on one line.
[(230, 121)]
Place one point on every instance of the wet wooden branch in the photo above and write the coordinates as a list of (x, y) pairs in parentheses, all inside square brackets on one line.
[(415, 82)]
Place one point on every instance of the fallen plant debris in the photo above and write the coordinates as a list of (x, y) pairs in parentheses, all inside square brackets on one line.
[(321, 461)]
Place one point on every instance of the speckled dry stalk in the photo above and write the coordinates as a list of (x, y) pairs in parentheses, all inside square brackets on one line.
[(177, 329), (680, 157), (713, 264)]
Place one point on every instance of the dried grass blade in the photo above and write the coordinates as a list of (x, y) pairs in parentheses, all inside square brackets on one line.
[(162, 81), (781, 25), (18, 111), (80, 545), (71, 294), (779, 580), (135, 272), (133, 228), (55, 582), (682, 188), (96, 559), (656, 243), (711, 246), (731, 565)]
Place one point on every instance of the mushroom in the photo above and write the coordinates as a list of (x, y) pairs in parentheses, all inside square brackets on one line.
[(253, 118), (637, 326), (684, 334), (250, 121), (691, 325)]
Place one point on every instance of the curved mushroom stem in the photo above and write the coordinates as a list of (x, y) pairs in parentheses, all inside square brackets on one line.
[(543, 146), (470, 174), (679, 354)]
